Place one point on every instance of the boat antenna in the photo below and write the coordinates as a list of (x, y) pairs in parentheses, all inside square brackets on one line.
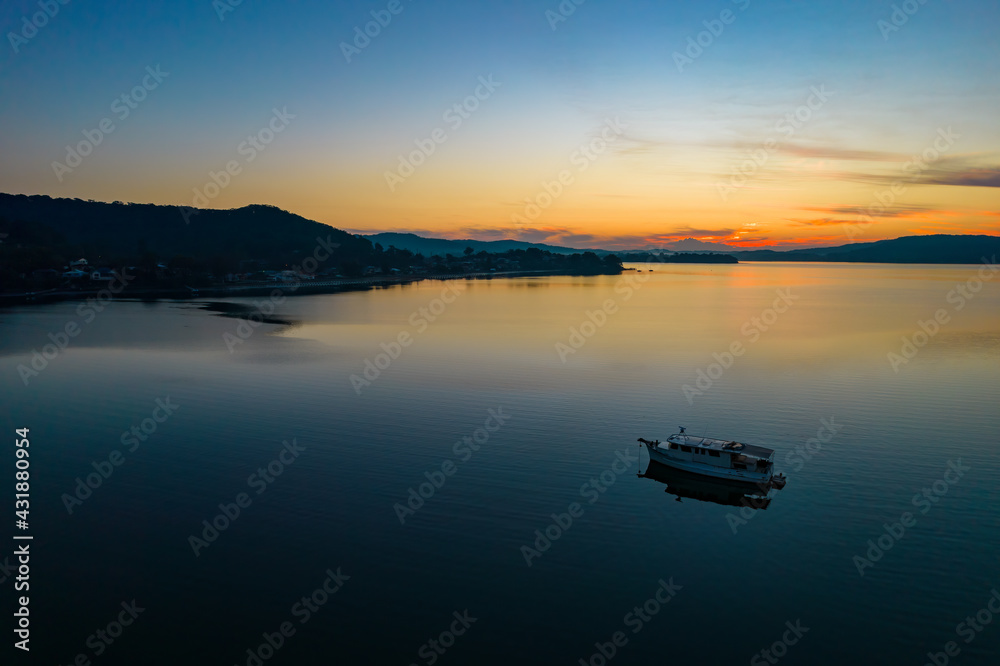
[(682, 429)]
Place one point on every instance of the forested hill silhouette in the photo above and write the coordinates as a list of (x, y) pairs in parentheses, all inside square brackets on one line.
[(42, 241), (113, 230)]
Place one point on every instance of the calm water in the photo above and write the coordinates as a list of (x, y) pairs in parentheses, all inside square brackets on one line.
[(738, 577)]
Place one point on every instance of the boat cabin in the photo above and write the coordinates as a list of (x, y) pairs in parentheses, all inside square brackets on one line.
[(720, 453)]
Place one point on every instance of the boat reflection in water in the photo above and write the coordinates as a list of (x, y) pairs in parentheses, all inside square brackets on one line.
[(706, 489)]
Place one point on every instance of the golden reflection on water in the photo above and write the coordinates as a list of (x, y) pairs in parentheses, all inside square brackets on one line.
[(674, 315)]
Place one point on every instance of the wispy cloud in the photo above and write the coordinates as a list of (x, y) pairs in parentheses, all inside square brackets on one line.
[(629, 144), (970, 170), (577, 238), (899, 210), (976, 177), (822, 222), (693, 232), (844, 154)]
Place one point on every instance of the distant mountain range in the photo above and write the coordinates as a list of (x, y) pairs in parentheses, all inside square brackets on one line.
[(428, 246), (443, 246), (695, 245), (935, 249)]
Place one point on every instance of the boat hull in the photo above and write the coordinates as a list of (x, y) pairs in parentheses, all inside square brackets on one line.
[(744, 475)]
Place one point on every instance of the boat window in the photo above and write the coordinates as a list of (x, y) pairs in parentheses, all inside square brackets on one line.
[(714, 454), (686, 449), (673, 446)]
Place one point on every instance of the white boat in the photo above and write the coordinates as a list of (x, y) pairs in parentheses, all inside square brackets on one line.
[(717, 457)]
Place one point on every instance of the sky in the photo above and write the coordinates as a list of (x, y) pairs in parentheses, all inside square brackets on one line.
[(604, 124)]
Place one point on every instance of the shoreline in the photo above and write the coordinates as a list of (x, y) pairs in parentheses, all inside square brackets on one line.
[(301, 288)]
